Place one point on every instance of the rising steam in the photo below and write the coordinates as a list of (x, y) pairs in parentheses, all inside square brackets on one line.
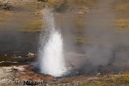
[(106, 49)]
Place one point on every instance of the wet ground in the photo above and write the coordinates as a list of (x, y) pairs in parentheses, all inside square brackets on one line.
[(18, 43)]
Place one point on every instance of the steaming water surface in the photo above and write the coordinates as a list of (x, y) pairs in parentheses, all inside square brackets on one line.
[(18, 43)]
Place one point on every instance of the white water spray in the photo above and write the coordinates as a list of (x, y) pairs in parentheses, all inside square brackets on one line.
[(51, 48)]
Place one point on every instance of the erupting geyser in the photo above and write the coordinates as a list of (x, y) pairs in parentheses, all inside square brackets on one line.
[(51, 48)]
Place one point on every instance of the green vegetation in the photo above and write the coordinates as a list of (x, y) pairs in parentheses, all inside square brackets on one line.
[(122, 24), (121, 8), (121, 11), (88, 3), (110, 80), (121, 79), (32, 26), (33, 11)]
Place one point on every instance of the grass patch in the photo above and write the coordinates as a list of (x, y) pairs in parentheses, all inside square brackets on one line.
[(32, 26), (122, 24), (122, 7), (80, 22), (88, 3), (4, 15), (53, 1), (86, 39), (110, 80)]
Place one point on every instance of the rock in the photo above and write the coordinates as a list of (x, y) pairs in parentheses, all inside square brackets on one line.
[(19, 68), (21, 73), (5, 54), (30, 55), (86, 8)]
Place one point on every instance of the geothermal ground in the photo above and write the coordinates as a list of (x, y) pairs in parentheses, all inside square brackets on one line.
[(95, 38)]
